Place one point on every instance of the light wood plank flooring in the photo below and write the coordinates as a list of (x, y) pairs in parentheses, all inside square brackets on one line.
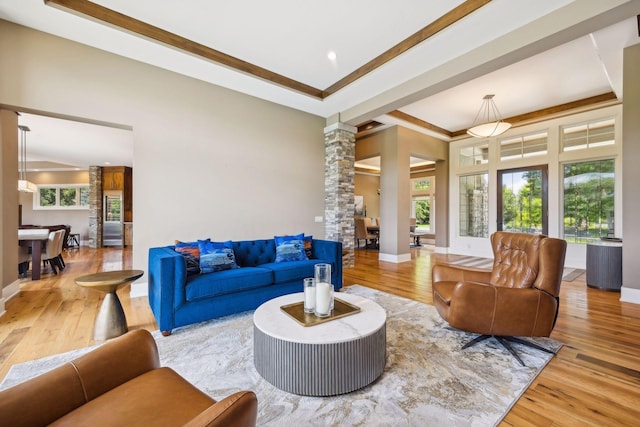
[(594, 380)]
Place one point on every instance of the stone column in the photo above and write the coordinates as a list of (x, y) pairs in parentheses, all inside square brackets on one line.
[(340, 148), (95, 207)]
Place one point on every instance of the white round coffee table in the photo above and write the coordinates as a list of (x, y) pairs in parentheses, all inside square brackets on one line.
[(336, 357)]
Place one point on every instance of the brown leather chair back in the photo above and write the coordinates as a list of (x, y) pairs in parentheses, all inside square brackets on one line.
[(552, 254), (515, 259)]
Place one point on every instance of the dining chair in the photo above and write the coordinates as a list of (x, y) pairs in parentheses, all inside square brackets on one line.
[(362, 233)]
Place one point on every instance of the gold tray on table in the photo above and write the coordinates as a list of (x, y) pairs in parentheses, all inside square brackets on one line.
[(340, 309)]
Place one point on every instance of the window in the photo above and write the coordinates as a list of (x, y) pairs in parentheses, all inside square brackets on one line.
[(522, 200), (588, 200), (523, 146), (474, 155), (70, 196), (588, 135), (474, 205), (423, 202)]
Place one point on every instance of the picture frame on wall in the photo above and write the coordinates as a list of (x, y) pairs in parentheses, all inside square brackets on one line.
[(358, 205)]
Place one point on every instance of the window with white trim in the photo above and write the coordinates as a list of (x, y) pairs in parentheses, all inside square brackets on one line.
[(474, 205), (423, 203), (476, 154), (582, 136), (589, 208), (66, 196), (523, 146)]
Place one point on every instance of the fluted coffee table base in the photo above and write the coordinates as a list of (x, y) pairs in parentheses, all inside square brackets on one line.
[(333, 358)]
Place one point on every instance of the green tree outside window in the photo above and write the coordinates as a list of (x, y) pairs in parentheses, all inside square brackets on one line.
[(47, 197), (68, 196)]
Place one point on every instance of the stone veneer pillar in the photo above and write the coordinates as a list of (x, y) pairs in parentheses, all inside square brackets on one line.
[(340, 149), (95, 207)]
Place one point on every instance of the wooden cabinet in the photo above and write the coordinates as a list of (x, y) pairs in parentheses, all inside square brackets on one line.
[(113, 178), (119, 178), (128, 234)]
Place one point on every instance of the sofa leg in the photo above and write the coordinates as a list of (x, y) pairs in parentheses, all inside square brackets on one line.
[(166, 333)]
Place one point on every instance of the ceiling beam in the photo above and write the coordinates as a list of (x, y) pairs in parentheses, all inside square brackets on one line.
[(135, 26), (141, 28), (419, 122), (450, 18)]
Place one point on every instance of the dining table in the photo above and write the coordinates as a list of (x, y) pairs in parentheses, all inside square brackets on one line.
[(34, 237)]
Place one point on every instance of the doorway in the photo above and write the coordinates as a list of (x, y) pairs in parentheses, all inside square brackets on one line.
[(522, 200)]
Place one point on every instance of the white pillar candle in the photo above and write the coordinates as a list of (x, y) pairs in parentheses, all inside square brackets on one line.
[(310, 297), (323, 297)]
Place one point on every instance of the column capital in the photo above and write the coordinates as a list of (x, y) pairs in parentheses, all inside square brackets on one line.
[(340, 126)]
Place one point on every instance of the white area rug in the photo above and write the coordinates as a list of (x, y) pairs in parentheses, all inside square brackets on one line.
[(427, 381), (568, 275)]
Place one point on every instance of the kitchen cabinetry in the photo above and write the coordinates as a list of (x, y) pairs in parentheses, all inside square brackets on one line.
[(128, 234), (119, 178)]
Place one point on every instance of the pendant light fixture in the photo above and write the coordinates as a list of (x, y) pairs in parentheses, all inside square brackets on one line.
[(488, 121), (23, 184)]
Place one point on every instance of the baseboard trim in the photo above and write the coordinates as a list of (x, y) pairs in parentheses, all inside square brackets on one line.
[(394, 258), (139, 290), (630, 295), (441, 250), (7, 293), (11, 291)]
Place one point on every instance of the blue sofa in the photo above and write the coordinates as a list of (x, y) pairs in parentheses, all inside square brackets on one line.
[(178, 300)]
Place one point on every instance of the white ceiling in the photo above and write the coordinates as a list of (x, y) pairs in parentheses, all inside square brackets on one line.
[(532, 54)]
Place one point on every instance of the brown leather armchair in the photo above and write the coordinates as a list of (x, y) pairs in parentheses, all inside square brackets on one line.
[(120, 383), (518, 298)]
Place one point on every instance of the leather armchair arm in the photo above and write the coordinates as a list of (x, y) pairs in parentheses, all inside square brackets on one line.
[(60, 391), (454, 273), (238, 410), (495, 310)]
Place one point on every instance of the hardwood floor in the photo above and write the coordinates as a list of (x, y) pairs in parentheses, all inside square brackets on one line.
[(594, 379)]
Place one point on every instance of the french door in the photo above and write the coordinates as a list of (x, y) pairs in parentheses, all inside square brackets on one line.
[(522, 200)]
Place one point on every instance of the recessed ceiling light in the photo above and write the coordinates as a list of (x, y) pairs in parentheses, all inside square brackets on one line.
[(107, 163), (332, 56)]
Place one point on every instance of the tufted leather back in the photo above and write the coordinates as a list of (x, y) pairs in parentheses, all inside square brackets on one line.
[(516, 259)]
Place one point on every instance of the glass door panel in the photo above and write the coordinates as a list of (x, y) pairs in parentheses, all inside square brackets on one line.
[(522, 200)]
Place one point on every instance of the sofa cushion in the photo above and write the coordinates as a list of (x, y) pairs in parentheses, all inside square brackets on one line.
[(216, 256), (290, 248), (227, 281), (308, 246), (190, 251), (290, 271), (158, 397)]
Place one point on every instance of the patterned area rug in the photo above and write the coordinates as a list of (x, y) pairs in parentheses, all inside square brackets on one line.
[(427, 381), (568, 275)]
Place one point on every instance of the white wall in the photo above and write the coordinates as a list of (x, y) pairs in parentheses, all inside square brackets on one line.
[(208, 162), (576, 253)]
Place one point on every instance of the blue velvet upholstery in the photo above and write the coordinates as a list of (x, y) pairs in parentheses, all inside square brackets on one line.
[(178, 300)]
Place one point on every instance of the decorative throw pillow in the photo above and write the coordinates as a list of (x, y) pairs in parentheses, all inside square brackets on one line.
[(290, 248), (216, 256), (190, 251), (308, 246)]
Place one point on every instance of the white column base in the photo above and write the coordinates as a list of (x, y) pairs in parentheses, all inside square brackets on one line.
[(630, 295), (394, 258)]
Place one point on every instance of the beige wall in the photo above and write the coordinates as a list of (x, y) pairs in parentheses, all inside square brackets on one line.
[(9, 199), (367, 185), (78, 219), (631, 175), (395, 145), (208, 162)]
